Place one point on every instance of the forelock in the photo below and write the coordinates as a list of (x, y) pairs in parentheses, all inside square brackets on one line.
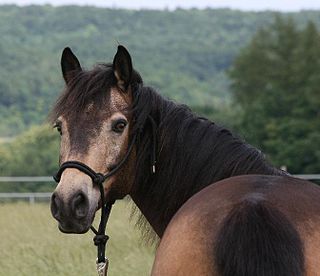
[(87, 90)]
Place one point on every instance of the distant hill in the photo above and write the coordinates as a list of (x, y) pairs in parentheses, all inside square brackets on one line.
[(184, 53)]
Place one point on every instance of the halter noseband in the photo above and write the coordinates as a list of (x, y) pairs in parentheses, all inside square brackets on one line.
[(100, 239)]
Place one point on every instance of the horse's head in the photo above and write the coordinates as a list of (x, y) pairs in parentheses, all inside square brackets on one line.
[(94, 120)]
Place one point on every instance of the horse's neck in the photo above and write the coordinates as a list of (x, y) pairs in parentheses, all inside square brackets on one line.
[(187, 166), (148, 213)]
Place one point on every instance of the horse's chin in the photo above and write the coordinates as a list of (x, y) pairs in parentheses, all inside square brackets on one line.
[(74, 229), (76, 226)]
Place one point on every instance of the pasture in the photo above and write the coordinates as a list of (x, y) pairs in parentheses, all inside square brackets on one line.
[(31, 244)]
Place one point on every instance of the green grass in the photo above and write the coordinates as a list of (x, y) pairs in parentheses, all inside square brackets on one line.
[(31, 244)]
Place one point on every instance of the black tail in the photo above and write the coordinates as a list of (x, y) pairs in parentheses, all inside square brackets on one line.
[(258, 240)]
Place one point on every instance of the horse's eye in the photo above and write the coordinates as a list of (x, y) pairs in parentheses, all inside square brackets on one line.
[(58, 127), (119, 126)]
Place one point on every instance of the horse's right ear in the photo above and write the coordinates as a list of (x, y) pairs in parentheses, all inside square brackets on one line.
[(70, 65), (122, 67)]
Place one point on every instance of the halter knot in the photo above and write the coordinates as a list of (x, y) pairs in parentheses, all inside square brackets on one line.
[(100, 239), (99, 178)]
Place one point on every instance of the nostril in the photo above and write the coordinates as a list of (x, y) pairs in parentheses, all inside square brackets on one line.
[(55, 206), (80, 205)]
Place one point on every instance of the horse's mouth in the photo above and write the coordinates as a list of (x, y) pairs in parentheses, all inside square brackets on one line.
[(74, 226), (68, 228)]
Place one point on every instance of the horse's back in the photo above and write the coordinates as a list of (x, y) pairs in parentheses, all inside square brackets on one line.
[(245, 225)]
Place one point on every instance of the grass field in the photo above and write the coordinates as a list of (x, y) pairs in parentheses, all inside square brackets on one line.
[(31, 244)]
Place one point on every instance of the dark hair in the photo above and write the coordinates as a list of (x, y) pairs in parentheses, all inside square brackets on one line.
[(257, 239), (192, 153), (86, 87)]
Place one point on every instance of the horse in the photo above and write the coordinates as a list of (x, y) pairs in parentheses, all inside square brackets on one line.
[(216, 204)]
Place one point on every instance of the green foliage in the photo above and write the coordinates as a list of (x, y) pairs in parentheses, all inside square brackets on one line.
[(33, 153), (275, 81), (184, 53)]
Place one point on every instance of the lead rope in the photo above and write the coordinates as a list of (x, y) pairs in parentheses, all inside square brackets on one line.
[(100, 239)]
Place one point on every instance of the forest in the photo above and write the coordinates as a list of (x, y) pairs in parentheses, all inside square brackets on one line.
[(257, 73)]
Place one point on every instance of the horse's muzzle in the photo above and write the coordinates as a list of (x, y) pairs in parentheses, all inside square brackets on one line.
[(73, 214)]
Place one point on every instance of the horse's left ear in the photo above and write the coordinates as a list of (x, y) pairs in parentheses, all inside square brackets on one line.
[(122, 67)]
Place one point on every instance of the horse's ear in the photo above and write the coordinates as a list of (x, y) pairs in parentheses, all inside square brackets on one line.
[(70, 65), (122, 67)]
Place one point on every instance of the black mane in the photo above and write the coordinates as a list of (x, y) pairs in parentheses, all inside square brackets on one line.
[(192, 153)]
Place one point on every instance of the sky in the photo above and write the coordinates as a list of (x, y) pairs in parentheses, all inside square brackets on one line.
[(256, 5)]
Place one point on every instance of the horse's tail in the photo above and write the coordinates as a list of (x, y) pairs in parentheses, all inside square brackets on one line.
[(257, 239)]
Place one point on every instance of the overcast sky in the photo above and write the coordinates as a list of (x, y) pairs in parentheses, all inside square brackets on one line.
[(282, 5)]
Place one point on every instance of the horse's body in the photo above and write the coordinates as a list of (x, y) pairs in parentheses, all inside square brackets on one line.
[(209, 223), (245, 225)]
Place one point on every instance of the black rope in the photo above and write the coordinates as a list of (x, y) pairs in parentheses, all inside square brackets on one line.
[(96, 177)]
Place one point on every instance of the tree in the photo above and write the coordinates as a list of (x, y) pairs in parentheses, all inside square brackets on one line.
[(276, 82), (33, 153)]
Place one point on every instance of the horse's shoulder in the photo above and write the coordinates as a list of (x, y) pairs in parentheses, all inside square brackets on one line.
[(189, 236)]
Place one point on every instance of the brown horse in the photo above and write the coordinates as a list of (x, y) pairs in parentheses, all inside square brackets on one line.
[(218, 207)]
